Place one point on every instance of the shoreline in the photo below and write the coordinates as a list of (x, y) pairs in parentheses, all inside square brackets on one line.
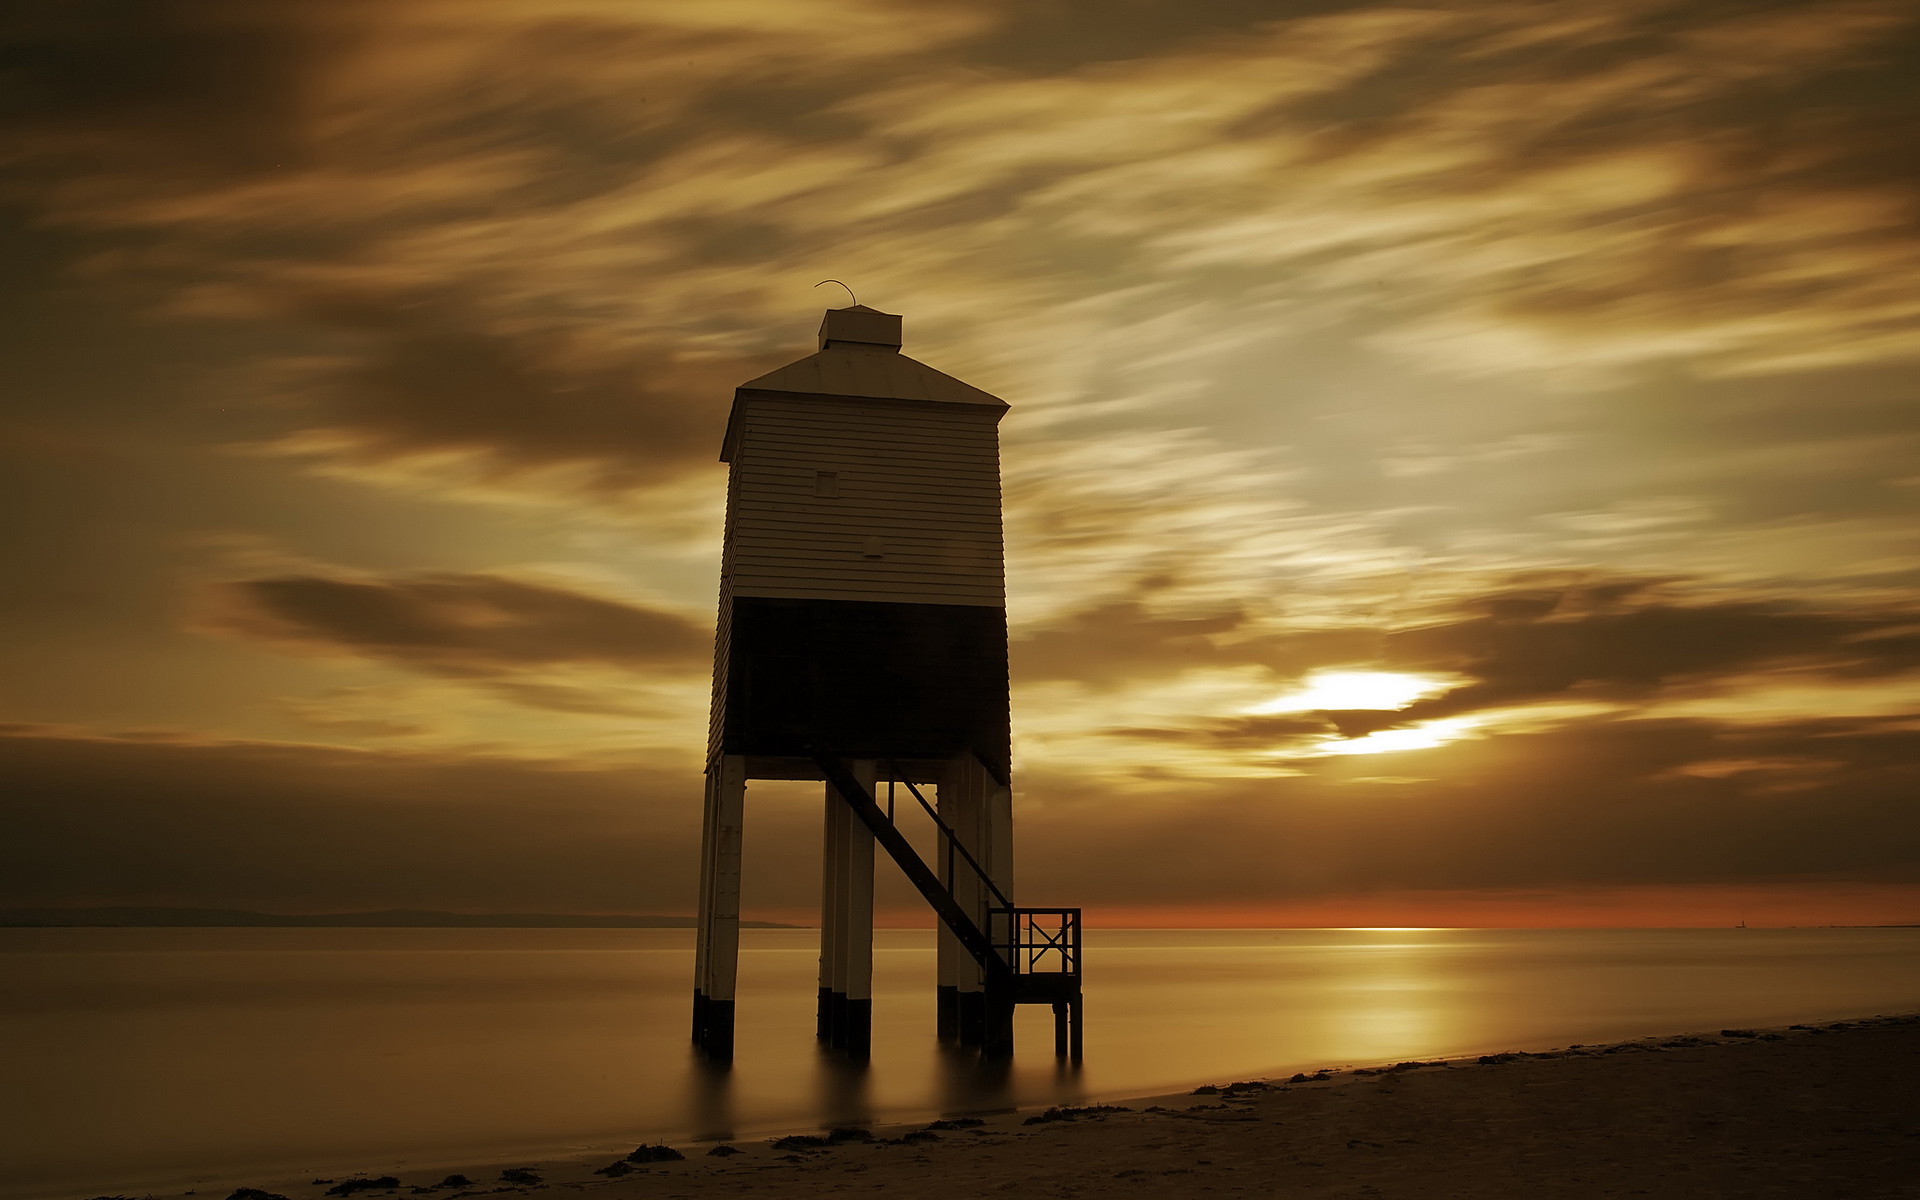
[(1164, 1138)]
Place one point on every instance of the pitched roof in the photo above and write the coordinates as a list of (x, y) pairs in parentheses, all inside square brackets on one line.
[(856, 370)]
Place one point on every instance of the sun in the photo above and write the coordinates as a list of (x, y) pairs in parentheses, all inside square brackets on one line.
[(1323, 690), (1385, 691)]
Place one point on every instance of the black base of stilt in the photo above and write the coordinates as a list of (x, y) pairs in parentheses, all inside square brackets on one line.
[(830, 1019), (985, 1019), (946, 1001), (996, 1034), (982, 1019), (713, 1027), (844, 1023), (857, 1028), (970, 1012)]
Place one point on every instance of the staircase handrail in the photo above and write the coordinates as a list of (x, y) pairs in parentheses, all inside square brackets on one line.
[(956, 919)]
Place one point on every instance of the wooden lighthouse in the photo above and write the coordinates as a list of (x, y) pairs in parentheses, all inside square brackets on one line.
[(863, 642)]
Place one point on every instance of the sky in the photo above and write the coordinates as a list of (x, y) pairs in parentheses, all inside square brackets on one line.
[(1461, 466)]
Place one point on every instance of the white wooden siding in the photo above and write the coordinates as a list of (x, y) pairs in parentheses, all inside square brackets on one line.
[(722, 648), (722, 652), (923, 479)]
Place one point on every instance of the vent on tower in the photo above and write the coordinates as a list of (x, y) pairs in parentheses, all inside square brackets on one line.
[(860, 326)]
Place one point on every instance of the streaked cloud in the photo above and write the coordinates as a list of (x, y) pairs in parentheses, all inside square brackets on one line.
[(1555, 188), (1553, 360), (1627, 805), (458, 624), (1238, 696), (115, 819)]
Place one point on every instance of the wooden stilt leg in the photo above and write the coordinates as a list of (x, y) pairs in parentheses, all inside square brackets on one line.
[(996, 1041), (846, 924), (856, 944), (717, 939), (703, 936), (832, 880), (962, 805)]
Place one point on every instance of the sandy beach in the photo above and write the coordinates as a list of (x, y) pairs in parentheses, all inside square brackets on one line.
[(1823, 1111)]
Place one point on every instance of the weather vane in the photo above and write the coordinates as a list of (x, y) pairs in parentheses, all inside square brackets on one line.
[(849, 291)]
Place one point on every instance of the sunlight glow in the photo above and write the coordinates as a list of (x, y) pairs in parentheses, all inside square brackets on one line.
[(1422, 736), (1354, 689)]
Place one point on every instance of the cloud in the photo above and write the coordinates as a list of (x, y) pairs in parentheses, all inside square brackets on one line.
[(1595, 188), (434, 389), (115, 820), (1211, 528), (1123, 640), (322, 714), (1139, 638), (458, 625), (1318, 328), (1622, 803), (1136, 695), (1548, 187), (1625, 640), (524, 251), (342, 176), (97, 819), (196, 91)]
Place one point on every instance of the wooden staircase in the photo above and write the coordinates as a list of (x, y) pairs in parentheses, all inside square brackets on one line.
[(1026, 955)]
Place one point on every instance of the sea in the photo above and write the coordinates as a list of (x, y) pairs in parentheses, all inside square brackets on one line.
[(138, 1061)]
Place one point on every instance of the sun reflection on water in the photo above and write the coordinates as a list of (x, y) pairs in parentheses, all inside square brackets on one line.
[(1393, 995)]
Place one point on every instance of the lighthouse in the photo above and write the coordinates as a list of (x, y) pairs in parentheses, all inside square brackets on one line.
[(862, 642)]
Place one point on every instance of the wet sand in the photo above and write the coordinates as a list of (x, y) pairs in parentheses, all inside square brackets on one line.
[(1806, 1112)]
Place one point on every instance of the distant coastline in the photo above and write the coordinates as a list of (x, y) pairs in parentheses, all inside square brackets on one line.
[(393, 918)]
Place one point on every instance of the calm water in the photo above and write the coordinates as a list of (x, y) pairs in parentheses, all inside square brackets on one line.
[(151, 1058)]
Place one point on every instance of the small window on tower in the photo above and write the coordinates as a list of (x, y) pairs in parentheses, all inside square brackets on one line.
[(826, 483)]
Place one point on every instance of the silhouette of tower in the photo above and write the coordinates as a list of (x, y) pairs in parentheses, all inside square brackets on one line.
[(863, 640)]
